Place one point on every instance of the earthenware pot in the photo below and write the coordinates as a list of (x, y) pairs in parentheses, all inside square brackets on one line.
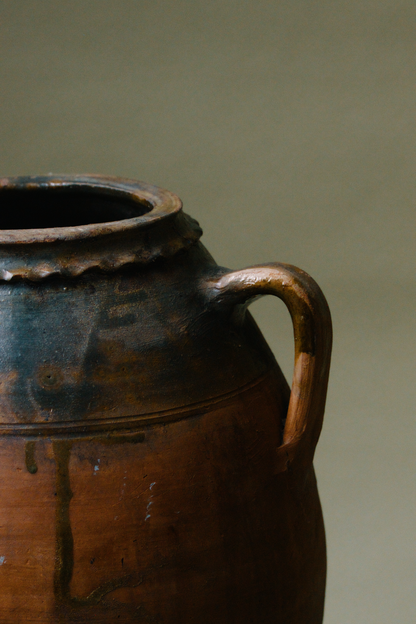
[(155, 466)]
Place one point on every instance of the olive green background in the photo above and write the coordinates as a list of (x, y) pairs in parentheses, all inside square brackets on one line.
[(288, 129)]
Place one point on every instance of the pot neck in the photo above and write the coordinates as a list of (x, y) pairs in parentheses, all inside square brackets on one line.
[(65, 225)]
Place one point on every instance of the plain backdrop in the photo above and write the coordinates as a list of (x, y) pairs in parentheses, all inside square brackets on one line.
[(288, 129)]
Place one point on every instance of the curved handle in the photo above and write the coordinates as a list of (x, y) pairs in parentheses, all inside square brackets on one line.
[(313, 341)]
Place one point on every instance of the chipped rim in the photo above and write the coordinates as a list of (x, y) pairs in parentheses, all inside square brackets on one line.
[(163, 205)]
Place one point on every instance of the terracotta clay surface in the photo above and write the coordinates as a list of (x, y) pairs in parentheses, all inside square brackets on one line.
[(155, 465)]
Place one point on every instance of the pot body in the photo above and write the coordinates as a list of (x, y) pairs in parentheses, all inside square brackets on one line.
[(145, 474)]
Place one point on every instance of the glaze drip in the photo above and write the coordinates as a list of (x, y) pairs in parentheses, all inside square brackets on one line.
[(30, 460)]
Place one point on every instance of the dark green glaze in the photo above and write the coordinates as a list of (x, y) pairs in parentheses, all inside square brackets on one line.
[(64, 540)]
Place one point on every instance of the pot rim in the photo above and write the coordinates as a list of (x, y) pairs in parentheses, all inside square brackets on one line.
[(163, 204), (70, 251)]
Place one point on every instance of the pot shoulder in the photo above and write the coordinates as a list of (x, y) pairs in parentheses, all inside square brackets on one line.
[(133, 343)]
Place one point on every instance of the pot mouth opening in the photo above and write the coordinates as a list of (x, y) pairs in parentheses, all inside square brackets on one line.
[(49, 208), (40, 208), (65, 225)]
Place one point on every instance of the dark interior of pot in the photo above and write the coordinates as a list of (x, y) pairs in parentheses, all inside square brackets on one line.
[(23, 208)]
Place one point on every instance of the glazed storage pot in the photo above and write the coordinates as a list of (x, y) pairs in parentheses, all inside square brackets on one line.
[(155, 466)]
